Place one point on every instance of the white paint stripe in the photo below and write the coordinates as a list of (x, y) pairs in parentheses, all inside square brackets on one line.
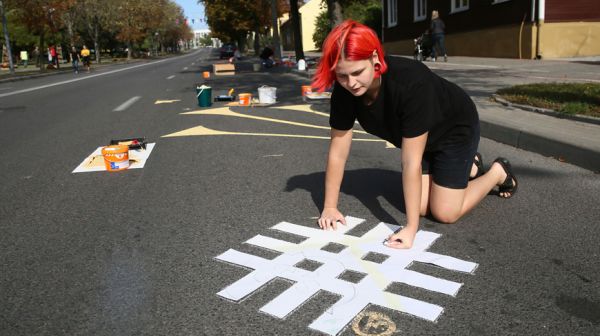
[(126, 104), (171, 77), (185, 68), (79, 79)]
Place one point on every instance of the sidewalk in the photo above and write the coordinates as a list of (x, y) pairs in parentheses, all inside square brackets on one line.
[(572, 141)]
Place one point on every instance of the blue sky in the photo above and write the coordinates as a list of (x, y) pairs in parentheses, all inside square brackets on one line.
[(195, 11)]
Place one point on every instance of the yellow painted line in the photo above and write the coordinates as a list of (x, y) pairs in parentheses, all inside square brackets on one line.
[(166, 101), (225, 111), (302, 108), (201, 130)]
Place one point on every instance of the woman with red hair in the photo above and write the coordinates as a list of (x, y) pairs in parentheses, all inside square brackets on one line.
[(433, 120)]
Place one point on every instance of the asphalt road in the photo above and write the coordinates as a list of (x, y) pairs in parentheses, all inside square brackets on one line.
[(133, 252)]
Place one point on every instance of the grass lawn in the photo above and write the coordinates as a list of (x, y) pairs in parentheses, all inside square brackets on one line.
[(569, 98)]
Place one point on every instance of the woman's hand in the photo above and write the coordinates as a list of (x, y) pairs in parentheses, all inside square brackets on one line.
[(402, 239), (329, 219)]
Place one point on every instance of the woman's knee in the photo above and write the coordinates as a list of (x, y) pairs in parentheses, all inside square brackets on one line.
[(445, 215)]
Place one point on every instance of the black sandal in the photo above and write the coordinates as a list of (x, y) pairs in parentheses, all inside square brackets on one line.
[(510, 184), (478, 162)]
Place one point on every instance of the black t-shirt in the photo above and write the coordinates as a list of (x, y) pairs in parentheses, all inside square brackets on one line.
[(411, 101)]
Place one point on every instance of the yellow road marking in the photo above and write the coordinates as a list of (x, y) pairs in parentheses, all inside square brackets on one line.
[(166, 101), (302, 108), (201, 130), (225, 111)]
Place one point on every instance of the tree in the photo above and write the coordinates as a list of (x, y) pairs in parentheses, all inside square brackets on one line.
[(42, 16), (295, 20), (6, 39)]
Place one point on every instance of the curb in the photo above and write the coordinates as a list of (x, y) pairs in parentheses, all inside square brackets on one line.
[(549, 112), (562, 151)]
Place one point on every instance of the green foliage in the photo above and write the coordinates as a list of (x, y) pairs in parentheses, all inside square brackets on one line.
[(571, 98), (367, 12), (322, 28)]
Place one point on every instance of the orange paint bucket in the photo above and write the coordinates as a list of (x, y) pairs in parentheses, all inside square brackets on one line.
[(116, 157), (306, 89), (245, 99), (206, 74)]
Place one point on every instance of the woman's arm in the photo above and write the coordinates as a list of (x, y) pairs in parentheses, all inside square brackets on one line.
[(339, 149), (412, 154)]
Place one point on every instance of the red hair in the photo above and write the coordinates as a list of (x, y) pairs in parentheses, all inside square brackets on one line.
[(353, 41)]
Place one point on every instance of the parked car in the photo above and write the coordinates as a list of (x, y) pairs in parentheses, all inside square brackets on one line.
[(227, 50)]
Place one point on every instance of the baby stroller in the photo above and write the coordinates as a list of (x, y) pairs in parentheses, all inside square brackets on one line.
[(423, 46)]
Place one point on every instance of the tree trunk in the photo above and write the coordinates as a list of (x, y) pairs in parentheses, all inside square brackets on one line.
[(129, 50), (295, 17), (41, 53), (275, 25), (256, 42), (334, 11), (11, 65), (97, 42)]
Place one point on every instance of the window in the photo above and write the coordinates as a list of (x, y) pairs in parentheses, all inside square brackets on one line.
[(420, 10), (459, 6), (392, 12)]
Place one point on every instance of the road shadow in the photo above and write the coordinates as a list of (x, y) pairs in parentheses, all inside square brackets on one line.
[(367, 185)]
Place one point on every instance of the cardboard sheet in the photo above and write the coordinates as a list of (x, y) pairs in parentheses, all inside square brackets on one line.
[(95, 161)]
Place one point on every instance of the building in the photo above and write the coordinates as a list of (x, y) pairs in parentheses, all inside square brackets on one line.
[(308, 17), (498, 28)]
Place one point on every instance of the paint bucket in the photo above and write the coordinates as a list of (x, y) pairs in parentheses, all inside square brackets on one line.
[(245, 99), (116, 157), (256, 66), (204, 95), (306, 89), (206, 74), (267, 94)]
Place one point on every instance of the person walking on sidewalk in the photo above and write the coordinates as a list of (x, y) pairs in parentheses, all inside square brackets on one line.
[(437, 28), (75, 59), (432, 120), (85, 55)]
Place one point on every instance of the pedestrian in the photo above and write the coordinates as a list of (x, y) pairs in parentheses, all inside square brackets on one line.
[(24, 58), (75, 59), (85, 55), (432, 120), (50, 59), (266, 57), (437, 28), (54, 57)]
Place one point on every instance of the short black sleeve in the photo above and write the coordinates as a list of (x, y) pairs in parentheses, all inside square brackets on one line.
[(343, 110), (420, 109)]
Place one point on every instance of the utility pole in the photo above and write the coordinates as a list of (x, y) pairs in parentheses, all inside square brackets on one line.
[(275, 24), (5, 27)]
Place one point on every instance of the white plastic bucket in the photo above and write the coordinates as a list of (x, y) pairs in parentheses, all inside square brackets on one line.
[(301, 65), (267, 94)]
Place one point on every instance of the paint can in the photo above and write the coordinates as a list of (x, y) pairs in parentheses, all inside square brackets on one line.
[(204, 95), (267, 94), (256, 67), (116, 157), (245, 99), (206, 74), (306, 89)]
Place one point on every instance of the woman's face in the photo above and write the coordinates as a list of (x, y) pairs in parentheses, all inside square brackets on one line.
[(355, 76)]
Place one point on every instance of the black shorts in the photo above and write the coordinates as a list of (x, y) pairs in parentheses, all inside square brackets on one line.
[(451, 165)]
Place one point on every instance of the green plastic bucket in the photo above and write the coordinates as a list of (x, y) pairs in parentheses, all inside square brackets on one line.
[(204, 95)]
